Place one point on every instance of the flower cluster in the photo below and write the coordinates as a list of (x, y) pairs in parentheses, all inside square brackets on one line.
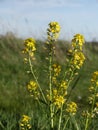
[(29, 49), (94, 79), (58, 100), (32, 87), (77, 56), (78, 59), (95, 110), (56, 69), (78, 41), (25, 123), (62, 88), (71, 108), (91, 114), (59, 94), (86, 114), (93, 89), (53, 31)]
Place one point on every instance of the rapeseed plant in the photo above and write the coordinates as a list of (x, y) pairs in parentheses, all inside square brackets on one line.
[(93, 98), (60, 108)]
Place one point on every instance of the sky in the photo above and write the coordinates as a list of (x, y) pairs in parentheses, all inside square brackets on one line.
[(30, 18)]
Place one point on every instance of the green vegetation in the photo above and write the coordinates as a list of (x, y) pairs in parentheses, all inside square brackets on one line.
[(14, 98)]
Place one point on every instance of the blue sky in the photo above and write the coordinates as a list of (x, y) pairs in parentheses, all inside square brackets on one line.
[(30, 18)]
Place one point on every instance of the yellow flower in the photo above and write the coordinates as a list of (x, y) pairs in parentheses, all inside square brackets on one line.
[(55, 92), (54, 27), (91, 98), (25, 118), (25, 122), (86, 113), (76, 54), (25, 60), (78, 59), (94, 78), (96, 104), (78, 41), (94, 88), (59, 101), (54, 80), (53, 31), (91, 89), (79, 37), (32, 87), (71, 108), (29, 46), (63, 84), (56, 69), (97, 83), (62, 88)]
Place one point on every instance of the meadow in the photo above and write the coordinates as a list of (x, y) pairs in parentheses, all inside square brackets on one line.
[(15, 100)]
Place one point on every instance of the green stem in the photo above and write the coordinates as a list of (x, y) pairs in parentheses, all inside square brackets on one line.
[(2, 125), (31, 68), (86, 124), (74, 122), (66, 123), (50, 86), (70, 78), (67, 69), (60, 118), (68, 84)]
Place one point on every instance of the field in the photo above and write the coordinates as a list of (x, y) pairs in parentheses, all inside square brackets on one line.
[(15, 99)]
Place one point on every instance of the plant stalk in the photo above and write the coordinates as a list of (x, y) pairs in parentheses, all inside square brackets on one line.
[(60, 118), (32, 71), (50, 86)]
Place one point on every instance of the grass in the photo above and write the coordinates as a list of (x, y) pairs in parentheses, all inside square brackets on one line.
[(14, 99)]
